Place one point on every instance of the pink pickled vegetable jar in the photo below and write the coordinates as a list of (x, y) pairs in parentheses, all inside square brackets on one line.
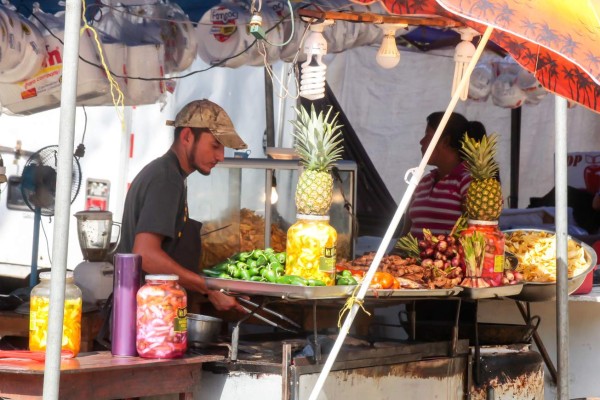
[(161, 322)]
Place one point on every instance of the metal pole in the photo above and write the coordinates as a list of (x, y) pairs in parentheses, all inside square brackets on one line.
[(269, 174), (269, 107), (562, 295), (63, 199), (416, 177), (280, 107), (125, 149), (515, 156)]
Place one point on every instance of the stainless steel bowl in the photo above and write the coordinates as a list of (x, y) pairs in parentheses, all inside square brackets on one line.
[(203, 329), (546, 291)]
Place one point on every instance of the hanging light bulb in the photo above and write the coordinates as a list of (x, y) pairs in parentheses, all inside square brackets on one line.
[(388, 55), (312, 84), (462, 55)]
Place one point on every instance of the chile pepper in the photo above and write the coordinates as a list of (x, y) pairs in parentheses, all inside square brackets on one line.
[(261, 260), (292, 280), (243, 256), (244, 274), (270, 275), (221, 267), (273, 259), (236, 272), (281, 257), (278, 268), (315, 282), (257, 278), (284, 280), (224, 275), (346, 280), (212, 273), (253, 271), (258, 253)]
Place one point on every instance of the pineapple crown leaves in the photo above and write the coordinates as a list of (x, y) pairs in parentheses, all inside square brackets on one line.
[(480, 156), (318, 138)]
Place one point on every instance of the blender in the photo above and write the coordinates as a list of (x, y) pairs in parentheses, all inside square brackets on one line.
[(94, 276)]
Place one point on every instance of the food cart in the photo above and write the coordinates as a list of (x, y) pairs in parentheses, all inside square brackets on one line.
[(59, 217)]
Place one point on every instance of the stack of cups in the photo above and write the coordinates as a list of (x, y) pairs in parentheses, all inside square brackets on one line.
[(127, 281)]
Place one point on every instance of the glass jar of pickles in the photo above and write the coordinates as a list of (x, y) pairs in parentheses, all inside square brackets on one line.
[(493, 259), (161, 318), (39, 309), (311, 248)]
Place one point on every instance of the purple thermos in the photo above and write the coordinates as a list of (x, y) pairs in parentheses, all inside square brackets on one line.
[(127, 281)]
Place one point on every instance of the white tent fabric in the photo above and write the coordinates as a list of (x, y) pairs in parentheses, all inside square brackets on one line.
[(388, 111)]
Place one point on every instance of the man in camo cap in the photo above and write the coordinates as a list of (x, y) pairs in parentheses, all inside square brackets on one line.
[(155, 217)]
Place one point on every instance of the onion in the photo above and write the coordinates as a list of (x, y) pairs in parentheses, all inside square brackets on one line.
[(442, 246), (427, 262)]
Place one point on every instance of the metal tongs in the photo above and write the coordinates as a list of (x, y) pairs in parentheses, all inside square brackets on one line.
[(258, 307), (235, 334)]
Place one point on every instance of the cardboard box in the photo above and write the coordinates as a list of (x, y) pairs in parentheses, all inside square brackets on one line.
[(583, 171)]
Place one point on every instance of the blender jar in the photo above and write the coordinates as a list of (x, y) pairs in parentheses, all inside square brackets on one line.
[(94, 230)]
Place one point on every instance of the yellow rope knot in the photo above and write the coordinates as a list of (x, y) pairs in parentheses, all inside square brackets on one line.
[(348, 306)]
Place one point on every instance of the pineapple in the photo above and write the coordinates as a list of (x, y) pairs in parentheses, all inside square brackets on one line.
[(318, 140), (484, 196)]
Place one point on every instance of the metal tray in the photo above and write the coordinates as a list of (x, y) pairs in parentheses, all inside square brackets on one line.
[(491, 292), (410, 293), (546, 291), (292, 292)]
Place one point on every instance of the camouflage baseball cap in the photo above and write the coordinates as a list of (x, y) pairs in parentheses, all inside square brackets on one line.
[(206, 114)]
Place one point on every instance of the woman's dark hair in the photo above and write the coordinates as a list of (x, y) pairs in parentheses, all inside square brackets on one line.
[(456, 128)]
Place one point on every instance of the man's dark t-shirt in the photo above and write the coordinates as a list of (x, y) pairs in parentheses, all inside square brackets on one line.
[(155, 203)]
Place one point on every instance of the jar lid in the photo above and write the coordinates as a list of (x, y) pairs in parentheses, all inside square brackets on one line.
[(479, 222), (48, 274), (162, 277), (313, 217)]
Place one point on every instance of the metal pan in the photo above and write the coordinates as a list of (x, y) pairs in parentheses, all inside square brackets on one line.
[(546, 291), (491, 292), (411, 293), (291, 292)]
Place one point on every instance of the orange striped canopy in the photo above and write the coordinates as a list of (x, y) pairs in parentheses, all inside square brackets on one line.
[(557, 40)]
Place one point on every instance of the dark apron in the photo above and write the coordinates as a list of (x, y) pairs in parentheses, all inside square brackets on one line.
[(187, 249)]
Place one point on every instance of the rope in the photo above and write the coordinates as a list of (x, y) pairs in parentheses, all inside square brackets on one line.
[(115, 91), (352, 300)]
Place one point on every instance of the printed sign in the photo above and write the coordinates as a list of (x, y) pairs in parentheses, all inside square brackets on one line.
[(583, 171), (96, 194)]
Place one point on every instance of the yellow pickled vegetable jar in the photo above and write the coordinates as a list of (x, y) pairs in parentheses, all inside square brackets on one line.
[(310, 248), (39, 308)]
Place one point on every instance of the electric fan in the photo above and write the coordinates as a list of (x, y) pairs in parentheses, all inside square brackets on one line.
[(38, 187)]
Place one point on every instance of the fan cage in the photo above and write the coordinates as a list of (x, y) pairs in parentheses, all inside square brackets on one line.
[(38, 185)]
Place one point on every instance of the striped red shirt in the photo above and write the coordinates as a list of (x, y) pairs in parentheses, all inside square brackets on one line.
[(437, 205)]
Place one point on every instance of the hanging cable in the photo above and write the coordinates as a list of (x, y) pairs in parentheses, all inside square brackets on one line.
[(80, 151)]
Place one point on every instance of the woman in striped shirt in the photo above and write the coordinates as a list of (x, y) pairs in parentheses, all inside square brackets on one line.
[(439, 197)]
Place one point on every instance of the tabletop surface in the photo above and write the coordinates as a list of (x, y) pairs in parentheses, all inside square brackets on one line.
[(96, 361)]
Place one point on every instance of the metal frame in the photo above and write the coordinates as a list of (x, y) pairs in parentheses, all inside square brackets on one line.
[(272, 165)]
